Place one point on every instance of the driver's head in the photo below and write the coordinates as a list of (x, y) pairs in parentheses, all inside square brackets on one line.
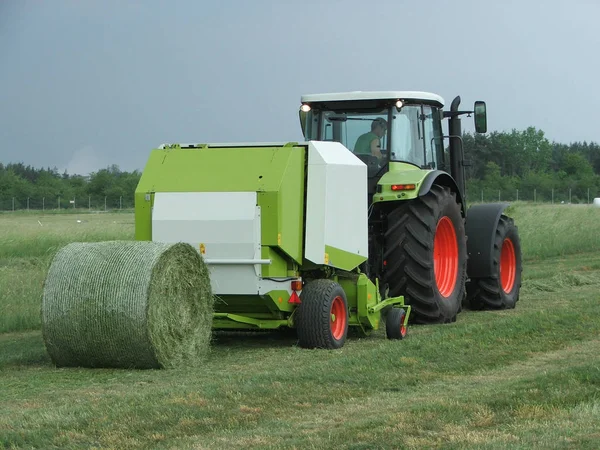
[(379, 126)]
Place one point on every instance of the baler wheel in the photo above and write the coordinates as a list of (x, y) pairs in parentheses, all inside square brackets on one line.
[(425, 255), (501, 291), (394, 324), (322, 317)]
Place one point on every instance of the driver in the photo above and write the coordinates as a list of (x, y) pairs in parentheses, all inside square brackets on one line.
[(370, 143)]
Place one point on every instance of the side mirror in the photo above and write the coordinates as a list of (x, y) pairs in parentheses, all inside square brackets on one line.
[(480, 117)]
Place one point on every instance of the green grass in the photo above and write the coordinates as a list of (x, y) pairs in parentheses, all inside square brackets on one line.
[(556, 230), (28, 242), (525, 378), (40, 235)]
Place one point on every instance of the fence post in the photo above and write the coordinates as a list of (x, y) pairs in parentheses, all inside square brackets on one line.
[(498, 194), (89, 202), (27, 203), (534, 195), (105, 203), (43, 204), (120, 202), (517, 195), (553, 196), (482, 196), (59, 202), (13, 204), (569, 196), (588, 196)]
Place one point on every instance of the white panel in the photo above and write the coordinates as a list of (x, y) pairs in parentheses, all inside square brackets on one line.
[(346, 224), (226, 223), (368, 95), (314, 248), (336, 201)]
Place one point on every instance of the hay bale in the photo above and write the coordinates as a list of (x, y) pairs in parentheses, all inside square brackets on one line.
[(127, 304)]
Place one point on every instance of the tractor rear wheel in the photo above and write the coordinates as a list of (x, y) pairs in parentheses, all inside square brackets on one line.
[(501, 290), (425, 256), (322, 317)]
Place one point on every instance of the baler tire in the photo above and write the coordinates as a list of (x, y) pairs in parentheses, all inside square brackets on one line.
[(315, 326), (408, 254), (394, 324), (500, 291)]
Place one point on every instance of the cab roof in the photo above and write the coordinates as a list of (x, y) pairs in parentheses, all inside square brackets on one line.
[(372, 95)]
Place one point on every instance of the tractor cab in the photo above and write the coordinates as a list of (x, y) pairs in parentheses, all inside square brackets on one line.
[(379, 127), (391, 131)]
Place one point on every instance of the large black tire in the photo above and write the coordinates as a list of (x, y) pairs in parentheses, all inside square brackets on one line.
[(501, 290), (320, 300), (408, 256)]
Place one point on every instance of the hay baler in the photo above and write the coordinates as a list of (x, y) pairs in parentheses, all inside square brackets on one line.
[(330, 233), (279, 226)]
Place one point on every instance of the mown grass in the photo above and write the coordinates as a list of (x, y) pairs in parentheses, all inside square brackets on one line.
[(524, 378)]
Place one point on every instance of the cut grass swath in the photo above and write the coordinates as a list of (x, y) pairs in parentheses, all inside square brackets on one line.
[(127, 304)]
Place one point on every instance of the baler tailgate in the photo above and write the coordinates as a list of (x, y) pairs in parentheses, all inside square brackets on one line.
[(223, 226)]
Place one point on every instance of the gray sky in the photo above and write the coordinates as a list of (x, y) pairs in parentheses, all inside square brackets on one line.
[(85, 84)]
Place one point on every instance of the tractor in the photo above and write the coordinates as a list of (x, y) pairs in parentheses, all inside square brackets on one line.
[(364, 223)]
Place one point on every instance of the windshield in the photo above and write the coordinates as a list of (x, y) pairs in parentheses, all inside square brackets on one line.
[(348, 127), (415, 135)]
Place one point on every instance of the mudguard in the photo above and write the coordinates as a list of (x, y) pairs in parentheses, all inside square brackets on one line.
[(482, 221), (443, 179)]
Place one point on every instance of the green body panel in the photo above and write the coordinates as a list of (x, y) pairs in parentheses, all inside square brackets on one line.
[(342, 259), (277, 174), (273, 304), (143, 215), (280, 263), (400, 173), (364, 301), (361, 294), (237, 322)]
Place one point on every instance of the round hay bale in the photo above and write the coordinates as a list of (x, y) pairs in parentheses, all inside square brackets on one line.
[(597, 202), (127, 304)]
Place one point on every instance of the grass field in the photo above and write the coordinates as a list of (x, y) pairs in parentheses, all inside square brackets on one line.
[(525, 378)]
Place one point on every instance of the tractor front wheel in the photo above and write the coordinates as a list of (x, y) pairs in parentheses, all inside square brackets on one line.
[(425, 255), (501, 290), (322, 317)]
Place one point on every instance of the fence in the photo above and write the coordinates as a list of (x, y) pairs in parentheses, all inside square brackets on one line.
[(91, 203), (557, 196)]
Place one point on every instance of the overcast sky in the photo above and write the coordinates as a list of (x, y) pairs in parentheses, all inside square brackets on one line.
[(85, 84)]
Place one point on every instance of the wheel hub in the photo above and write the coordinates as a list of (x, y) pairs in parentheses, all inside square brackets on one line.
[(445, 257)]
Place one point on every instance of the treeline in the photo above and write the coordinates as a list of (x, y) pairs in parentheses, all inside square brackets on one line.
[(502, 165), (22, 186), (527, 162)]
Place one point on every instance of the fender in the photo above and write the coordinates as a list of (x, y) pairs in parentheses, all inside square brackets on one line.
[(482, 221), (443, 179)]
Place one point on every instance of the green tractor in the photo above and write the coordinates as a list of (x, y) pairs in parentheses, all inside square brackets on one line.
[(365, 220)]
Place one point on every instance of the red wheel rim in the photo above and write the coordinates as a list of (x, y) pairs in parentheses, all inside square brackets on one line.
[(508, 265), (338, 318), (402, 327), (445, 257)]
